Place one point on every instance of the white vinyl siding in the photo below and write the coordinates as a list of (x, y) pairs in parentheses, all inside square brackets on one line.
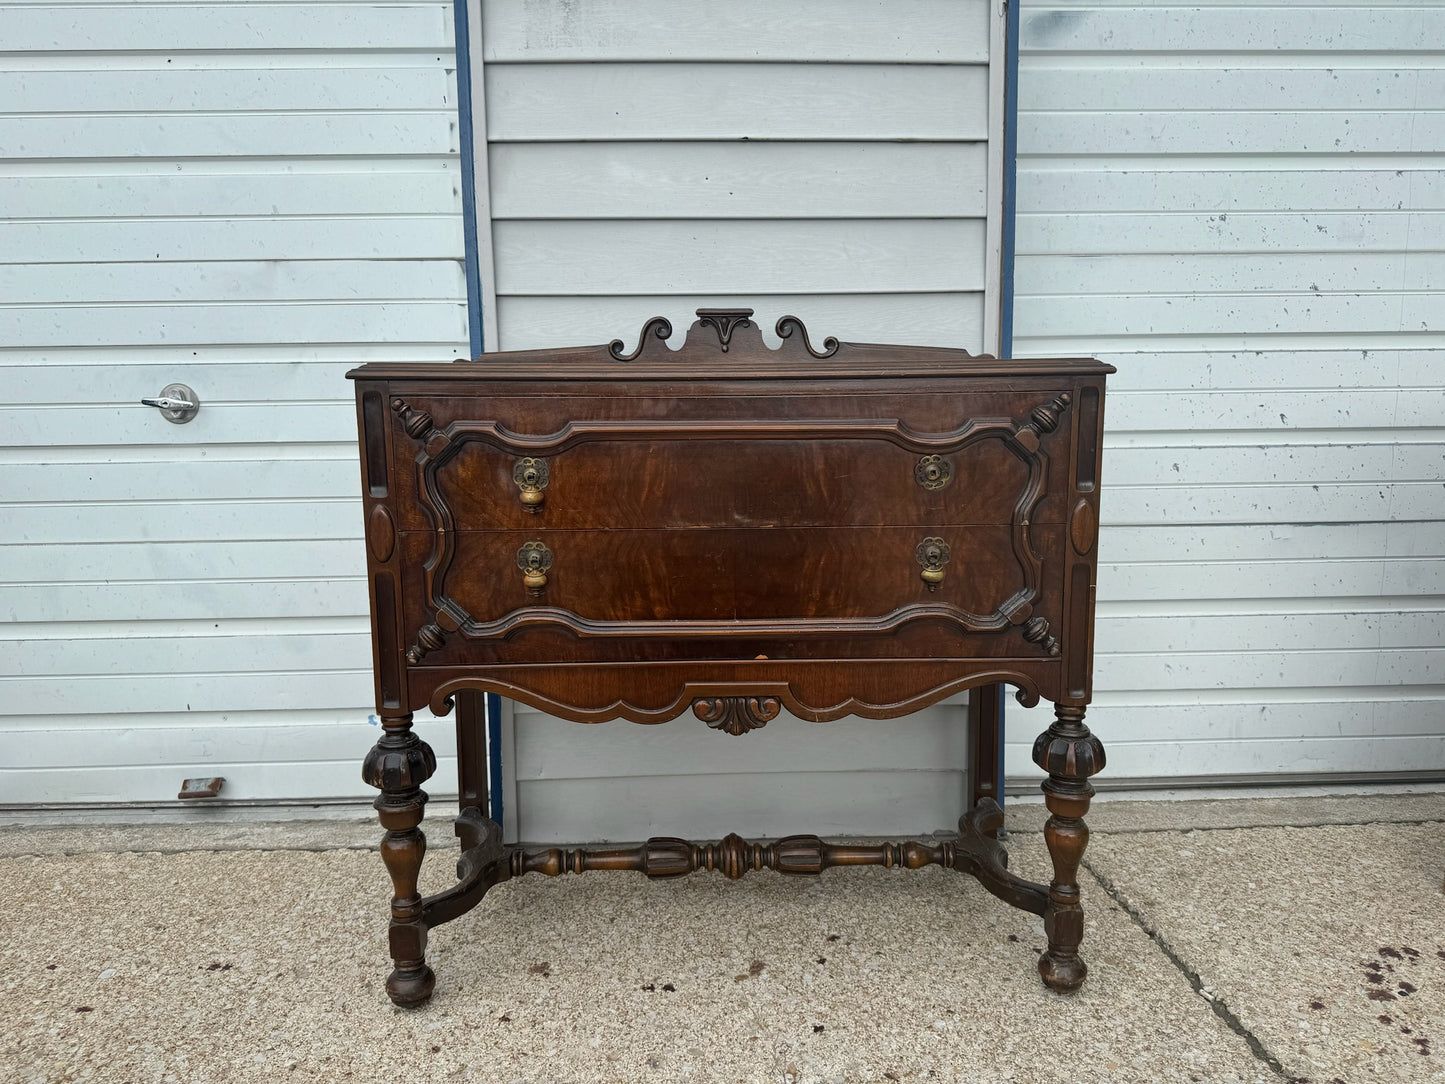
[(1242, 206), (830, 160), (249, 198)]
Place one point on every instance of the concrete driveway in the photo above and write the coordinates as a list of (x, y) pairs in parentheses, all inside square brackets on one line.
[(1228, 940)]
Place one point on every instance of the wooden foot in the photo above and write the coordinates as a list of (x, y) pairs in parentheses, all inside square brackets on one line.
[(398, 765), (1070, 754)]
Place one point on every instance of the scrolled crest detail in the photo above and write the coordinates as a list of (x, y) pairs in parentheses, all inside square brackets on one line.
[(732, 331), (659, 329), (787, 326)]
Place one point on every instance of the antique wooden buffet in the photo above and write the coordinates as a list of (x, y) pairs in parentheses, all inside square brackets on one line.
[(728, 530)]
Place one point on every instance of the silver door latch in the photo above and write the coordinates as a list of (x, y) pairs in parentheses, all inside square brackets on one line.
[(176, 402)]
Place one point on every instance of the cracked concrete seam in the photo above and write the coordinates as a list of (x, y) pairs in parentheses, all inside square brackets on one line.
[(1190, 973)]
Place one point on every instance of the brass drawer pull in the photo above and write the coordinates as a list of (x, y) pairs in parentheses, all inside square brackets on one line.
[(531, 476), (933, 472), (534, 559), (932, 554)]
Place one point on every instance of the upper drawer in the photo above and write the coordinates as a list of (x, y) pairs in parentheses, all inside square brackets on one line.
[(610, 472)]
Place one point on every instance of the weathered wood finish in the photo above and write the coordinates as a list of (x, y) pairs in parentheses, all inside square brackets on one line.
[(827, 528)]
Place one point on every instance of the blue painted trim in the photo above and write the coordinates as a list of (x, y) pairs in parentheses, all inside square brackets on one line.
[(469, 180), (1010, 177), (493, 715), (1006, 276), (492, 704)]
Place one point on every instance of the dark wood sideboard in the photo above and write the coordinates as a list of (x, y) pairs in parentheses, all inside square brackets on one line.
[(729, 531)]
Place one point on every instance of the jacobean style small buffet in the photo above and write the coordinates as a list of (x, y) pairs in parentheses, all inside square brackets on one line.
[(728, 530)]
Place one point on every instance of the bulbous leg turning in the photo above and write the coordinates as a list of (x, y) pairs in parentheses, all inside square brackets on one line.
[(398, 765), (1070, 754)]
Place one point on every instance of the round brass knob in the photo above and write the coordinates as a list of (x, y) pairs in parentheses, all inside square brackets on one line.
[(932, 554), (534, 559), (531, 476)]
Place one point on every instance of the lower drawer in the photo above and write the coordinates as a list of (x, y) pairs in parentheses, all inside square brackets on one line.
[(712, 581)]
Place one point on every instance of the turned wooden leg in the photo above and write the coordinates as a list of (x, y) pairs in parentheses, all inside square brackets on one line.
[(399, 764), (1070, 754)]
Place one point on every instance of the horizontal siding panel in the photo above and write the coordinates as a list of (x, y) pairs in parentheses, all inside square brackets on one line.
[(129, 189), (1210, 132), (140, 746), (277, 780), (914, 319), (1253, 715), (1192, 465), (220, 423), (1283, 276), (1223, 200), (575, 259), (216, 374), (313, 688), (1201, 314), (1359, 409), (1265, 579), (397, 236), (1262, 669), (202, 324), (250, 198), (1230, 634), (1247, 233), (1255, 503), (219, 480), (872, 803), (179, 520), (228, 26), (64, 285), (248, 88), (162, 562), (1216, 184), (1276, 541), (206, 657), (198, 135), (554, 749), (735, 101), (1144, 29), (772, 180), (186, 601), (1280, 369), (1309, 84), (924, 31)]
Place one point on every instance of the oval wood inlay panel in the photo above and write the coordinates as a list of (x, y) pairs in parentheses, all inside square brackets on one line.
[(381, 533), (1084, 527)]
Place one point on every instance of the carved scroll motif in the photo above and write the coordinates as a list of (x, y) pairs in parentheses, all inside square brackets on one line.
[(737, 714), (659, 327), (788, 325)]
